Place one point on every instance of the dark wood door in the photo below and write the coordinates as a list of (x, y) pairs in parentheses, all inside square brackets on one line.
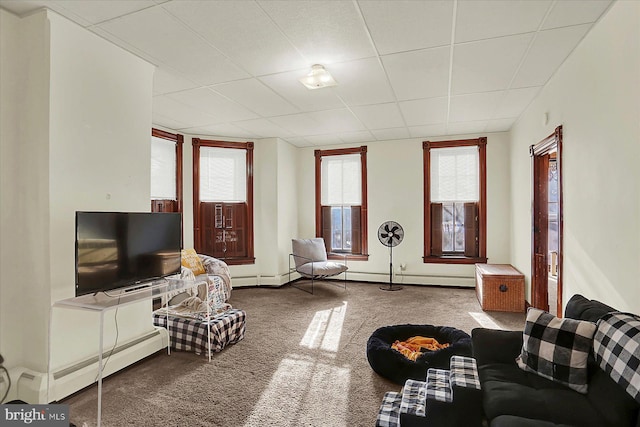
[(539, 279), (541, 155)]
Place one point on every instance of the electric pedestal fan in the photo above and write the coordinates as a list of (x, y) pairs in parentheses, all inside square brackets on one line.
[(390, 234)]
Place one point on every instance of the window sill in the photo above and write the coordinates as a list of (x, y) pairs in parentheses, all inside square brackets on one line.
[(349, 257), (448, 259), (238, 261)]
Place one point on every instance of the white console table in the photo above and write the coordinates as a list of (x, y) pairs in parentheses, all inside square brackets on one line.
[(101, 302)]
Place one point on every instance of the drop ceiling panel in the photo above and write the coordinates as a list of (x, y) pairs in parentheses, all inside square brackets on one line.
[(499, 125), (221, 130), (424, 111), (419, 74), (218, 107), (256, 97), (464, 128), (288, 86), (566, 13), (428, 131), (127, 46), (357, 137), (299, 142), (379, 116), (299, 124), (263, 128), (324, 139), (64, 12), (408, 25), (391, 134), (165, 106), (549, 50), (166, 81), (483, 19), (323, 31), (477, 106), (96, 11), (487, 65), (361, 82), (243, 32), (514, 102), (391, 59), (168, 122), (340, 120), (161, 36)]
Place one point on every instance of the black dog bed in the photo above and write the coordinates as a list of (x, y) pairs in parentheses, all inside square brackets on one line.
[(393, 365)]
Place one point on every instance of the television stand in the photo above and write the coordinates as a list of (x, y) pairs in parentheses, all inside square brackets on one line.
[(101, 303)]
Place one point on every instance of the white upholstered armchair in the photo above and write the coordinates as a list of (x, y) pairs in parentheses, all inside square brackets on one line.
[(309, 259)]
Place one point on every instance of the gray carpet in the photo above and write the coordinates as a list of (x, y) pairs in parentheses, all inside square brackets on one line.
[(302, 361)]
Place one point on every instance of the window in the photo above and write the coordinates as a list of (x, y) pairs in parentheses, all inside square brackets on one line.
[(166, 171), (341, 200), (223, 200), (455, 201)]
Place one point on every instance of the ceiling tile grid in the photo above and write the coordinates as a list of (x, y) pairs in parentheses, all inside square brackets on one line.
[(419, 74), (404, 68)]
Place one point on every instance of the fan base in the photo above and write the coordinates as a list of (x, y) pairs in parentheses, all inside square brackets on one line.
[(385, 288)]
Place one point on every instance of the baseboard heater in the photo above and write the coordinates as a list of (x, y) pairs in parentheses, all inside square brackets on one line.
[(68, 380), (105, 354)]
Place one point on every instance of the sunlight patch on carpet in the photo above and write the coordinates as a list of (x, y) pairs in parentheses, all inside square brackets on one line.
[(325, 329), (303, 392), (484, 320)]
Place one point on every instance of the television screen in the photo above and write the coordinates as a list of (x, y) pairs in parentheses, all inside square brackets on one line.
[(120, 249)]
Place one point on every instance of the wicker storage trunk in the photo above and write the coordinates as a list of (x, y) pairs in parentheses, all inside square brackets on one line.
[(500, 287)]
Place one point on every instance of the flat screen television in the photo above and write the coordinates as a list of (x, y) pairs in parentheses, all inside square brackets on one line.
[(121, 249)]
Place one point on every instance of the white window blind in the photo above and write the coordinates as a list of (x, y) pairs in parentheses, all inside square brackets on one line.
[(223, 174), (341, 180), (163, 169), (455, 174)]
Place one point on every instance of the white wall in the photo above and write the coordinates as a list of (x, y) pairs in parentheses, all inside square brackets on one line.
[(265, 206), (77, 121), (287, 202), (395, 192), (99, 160), (595, 96), (24, 262)]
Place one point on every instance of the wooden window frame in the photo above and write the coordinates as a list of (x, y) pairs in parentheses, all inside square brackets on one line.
[(248, 146), (428, 257), (319, 154), (179, 141)]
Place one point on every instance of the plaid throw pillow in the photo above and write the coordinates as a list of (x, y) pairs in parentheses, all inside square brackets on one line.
[(617, 350), (557, 349)]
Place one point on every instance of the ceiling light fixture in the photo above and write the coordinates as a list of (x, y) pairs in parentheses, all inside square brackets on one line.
[(317, 78)]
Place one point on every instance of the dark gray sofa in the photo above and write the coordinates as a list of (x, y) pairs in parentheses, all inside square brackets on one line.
[(515, 398)]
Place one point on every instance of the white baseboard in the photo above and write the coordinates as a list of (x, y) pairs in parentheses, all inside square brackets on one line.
[(399, 279), (31, 386)]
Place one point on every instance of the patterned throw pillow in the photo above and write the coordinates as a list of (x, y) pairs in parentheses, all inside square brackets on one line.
[(216, 293), (617, 350), (557, 349), (191, 260)]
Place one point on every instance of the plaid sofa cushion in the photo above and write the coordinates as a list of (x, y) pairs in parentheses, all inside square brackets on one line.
[(389, 413), (464, 372), (616, 346), (439, 385), (414, 398), (557, 349)]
